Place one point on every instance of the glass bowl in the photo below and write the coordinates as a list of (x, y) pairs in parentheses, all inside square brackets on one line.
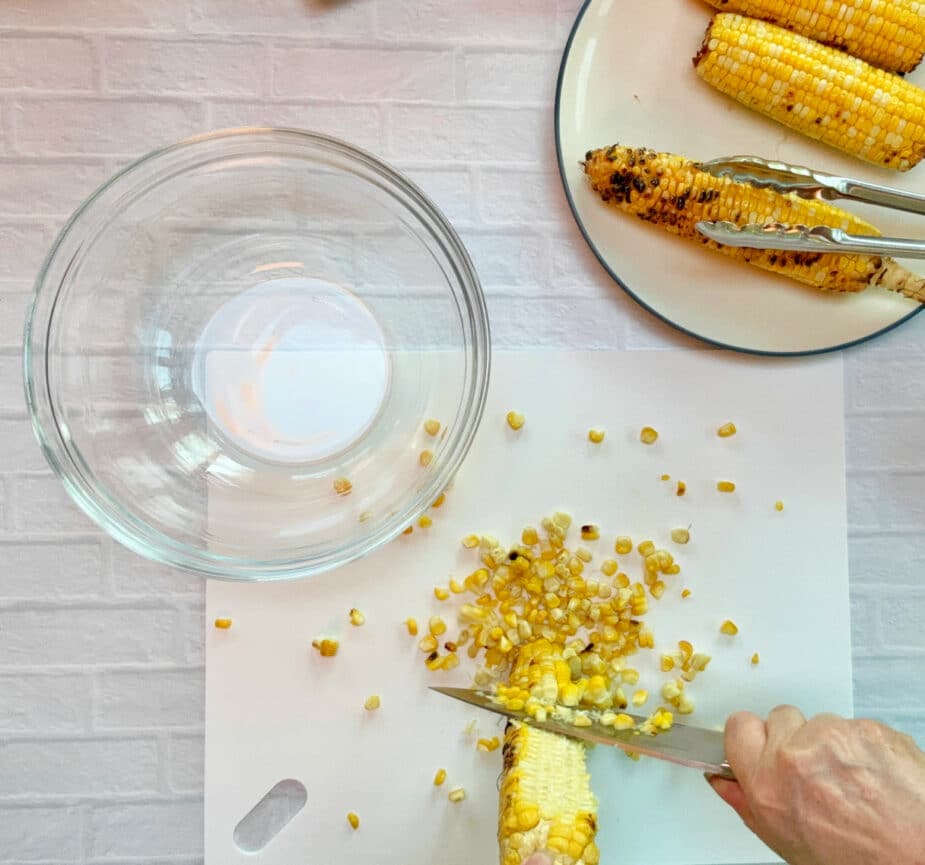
[(234, 346)]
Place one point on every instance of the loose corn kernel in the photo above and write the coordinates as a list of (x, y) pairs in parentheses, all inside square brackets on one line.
[(488, 745), (425, 522), (223, 624), (432, 427), (356, 618), (581, 720), (590, 532), (437, 626), (726, 486), (529, 537), (630, 676), (353, 820), (456, 796), (726, 430), (646, 548), (372, 703), (456, 587), (640, 697), (648, 436), (428, 644), (438, 502), (623, 722), (667, 664), (425, 458), (441, 594), (778, 505), (326, 648), (685, 593), (755, 659), (729, 628), (680, 536), (342, 486), (596, 436), (439, 777), (682, 488), (412, 626), (623, 545), (451, 661), (608, 567), (515, 420), (470, 542), (665, 477), (408, 531)]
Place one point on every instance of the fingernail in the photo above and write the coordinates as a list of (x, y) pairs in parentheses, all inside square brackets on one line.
[(538, 859)]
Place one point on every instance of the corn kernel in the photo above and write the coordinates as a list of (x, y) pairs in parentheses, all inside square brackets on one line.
[(515, 420), (428, 644), (640, 697), (647, 435), (623, 545), (353, 820), (372, 703), (223, 624), (488, 745), (408, 531), (441, 594), (456, 796), (726, 430), (624, 722), (439, 777), (596, 436), (425, 458), (356, 618), (529, 537), (438, 502), (726, 486), (412, 626), (437, 626), (667, 664), (470, 542), (685, 593), (646, 548), (680, 536), (581, 720), (608, 567), (755, 659), (425, 522), (326, 648), (665, 477), (590, 532), (778, 505), (729, 628), (456, 587), (342, 486), (432, 427)]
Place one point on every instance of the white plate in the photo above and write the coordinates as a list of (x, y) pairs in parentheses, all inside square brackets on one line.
[(627, 77)]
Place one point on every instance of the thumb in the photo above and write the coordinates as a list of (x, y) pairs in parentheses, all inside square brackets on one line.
[(538, 859), (731, 793)]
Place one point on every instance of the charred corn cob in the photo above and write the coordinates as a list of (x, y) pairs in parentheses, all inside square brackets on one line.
[(674, 192), (886, 33), (546, 801), (816, 90)]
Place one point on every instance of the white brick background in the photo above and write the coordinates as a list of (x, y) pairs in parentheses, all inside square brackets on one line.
[(101, 657)]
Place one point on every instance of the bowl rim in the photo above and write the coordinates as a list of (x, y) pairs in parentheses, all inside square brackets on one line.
[(138, 535)]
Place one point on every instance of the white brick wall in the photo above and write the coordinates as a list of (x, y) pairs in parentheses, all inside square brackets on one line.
[(101, 653)]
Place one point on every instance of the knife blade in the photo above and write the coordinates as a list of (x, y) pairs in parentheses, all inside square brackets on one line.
[(696, 747)]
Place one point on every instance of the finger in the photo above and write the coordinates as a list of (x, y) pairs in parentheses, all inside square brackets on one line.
[(538, 859), (733, 795), (782, 723), (745, 739)]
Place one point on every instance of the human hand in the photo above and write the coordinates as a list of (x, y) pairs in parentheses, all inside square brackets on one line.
[(827, 791), (538, 859)]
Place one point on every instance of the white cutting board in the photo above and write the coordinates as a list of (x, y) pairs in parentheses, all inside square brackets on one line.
[(276, 710)]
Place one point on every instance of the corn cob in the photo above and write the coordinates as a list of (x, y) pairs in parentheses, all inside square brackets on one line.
[(546, 803), (818, 91), (886, 33), (673, 192)]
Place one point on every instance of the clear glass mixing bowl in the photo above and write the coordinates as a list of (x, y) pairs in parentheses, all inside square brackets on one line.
[(235, 331)]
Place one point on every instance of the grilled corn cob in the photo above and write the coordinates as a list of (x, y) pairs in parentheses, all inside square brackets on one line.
[(546, 801), (674, 192), (886, 33), (818, 91)]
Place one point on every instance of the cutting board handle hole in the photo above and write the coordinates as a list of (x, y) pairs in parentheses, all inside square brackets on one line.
[(270, 815)]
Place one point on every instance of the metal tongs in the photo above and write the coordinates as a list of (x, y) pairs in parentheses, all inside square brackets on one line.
[(810, 184)]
